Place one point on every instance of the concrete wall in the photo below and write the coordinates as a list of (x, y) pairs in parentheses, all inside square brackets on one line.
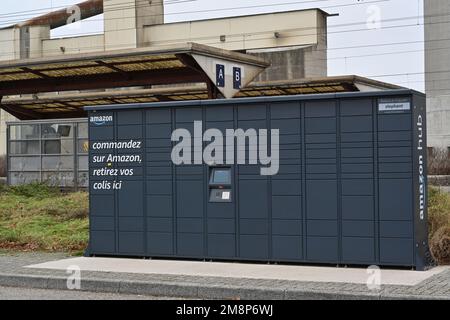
[(241, 33), (52, 47), (295, 63), (437, 68), (9, 44)]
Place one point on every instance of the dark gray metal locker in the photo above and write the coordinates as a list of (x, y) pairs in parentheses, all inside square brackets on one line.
[(351, 185)]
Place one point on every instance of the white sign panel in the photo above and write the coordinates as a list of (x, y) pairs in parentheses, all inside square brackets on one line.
[(394, 105)]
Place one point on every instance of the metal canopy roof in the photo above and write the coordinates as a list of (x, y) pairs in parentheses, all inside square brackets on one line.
[(71, 104), (190, 63)]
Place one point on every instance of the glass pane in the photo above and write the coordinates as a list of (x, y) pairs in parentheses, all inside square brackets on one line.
[(57, 146), (50, 131), (57, 163), (25, 163), (83, 146), (83, 163), (24, 147), (58, 179), (83, 130), (16, 178), (221, 176), (83, 179), (22, 132)]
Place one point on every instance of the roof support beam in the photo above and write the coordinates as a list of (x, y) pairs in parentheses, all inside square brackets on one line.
[(113, 80)]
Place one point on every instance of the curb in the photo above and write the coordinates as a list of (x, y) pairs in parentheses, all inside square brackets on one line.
[(195, 291)]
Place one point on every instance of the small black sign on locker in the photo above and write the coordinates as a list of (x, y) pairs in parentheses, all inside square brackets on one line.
[(350, 189)]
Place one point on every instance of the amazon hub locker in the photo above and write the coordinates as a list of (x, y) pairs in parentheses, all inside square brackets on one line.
[(331, 178)]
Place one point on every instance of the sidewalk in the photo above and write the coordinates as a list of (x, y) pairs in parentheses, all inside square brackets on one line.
[(206, 280)]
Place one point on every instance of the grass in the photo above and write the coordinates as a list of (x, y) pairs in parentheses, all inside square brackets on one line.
[(40, 218)]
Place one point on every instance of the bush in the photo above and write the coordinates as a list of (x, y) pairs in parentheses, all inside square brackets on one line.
[(32, 190), (439, 225), (439, 162)]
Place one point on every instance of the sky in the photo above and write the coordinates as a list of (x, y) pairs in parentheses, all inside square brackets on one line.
[(379, 39)]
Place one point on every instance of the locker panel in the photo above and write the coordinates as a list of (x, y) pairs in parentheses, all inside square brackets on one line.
[(287, 248), (131, 224), (356, 124), (357, 228), (221, 245), (285, 110), (286, 207), (190, 244), (188, 114), (159, 243), (396, 199), (396, 251), (190, 199), (160, 225), (358, 249), (252, 195), (129, 118), (131, 243), (222, 226), (159, 206), (102, 241), (102, 223), (322, 228), (394, 122), (358, 208), (254, 226), (322, 249), (286, 227), (161, 115), (356, 107), (254, 247), (321, 199), (131, 199), (320, 109)]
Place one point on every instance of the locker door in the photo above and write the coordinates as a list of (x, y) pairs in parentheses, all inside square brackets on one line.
[(321, 182)]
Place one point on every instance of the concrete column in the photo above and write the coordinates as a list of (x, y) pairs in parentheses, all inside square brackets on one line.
[(37, 35), (125, 21), (437, 83)]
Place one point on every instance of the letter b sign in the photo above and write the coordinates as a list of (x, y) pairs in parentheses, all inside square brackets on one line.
[(237, 78)]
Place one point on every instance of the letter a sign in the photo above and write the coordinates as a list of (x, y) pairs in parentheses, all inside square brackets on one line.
[(220, 75)]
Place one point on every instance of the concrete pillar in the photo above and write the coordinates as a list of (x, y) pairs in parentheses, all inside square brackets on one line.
[(125, 21), (37, 35), (297, 63), (437, 74)]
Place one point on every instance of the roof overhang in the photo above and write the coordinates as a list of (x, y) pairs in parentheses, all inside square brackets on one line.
[(67, 105), (189, 63)]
